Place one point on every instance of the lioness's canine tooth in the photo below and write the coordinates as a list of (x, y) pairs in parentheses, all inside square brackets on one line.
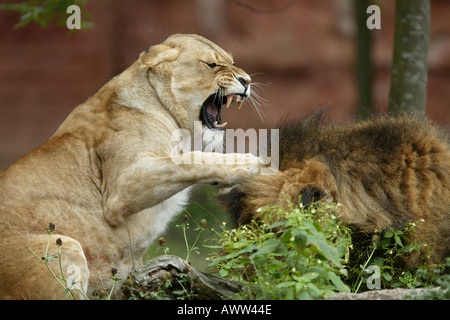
[(221, 125), (229, 100), (240, 102)]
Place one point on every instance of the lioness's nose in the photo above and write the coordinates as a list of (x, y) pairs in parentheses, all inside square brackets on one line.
[(244, 81)]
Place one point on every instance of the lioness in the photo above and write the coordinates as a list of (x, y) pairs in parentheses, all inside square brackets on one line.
[(108, 179)]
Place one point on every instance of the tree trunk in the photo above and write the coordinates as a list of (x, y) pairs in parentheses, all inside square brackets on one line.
[(364, 69), (409, 67)]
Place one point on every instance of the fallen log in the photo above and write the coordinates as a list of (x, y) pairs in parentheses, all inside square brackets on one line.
[(385, 294), (170, 277)]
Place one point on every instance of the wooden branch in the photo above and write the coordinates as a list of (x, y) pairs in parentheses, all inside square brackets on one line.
[(385, 294), (153, 279)]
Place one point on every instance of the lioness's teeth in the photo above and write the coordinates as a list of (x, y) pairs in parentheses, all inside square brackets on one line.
[(229, 100), (240, 102), (219, 125)]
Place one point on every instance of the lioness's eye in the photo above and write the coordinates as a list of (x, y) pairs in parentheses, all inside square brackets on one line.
[(212, 65)]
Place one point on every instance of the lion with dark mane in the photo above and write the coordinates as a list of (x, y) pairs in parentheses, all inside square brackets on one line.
[(385, 173)]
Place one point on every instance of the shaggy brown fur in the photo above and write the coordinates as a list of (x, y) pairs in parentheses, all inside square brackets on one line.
[(385, 172)]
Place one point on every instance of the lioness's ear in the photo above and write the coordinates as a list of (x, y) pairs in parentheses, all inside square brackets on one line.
[(154, 55)]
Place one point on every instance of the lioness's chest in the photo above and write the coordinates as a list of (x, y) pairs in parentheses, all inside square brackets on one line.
[(147, 225)]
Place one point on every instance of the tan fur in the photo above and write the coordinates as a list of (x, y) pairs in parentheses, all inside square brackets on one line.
[(385, 172), (107, 178)]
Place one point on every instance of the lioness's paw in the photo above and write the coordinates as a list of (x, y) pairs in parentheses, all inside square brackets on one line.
[(239, 159), (114, 212), (246, 165)]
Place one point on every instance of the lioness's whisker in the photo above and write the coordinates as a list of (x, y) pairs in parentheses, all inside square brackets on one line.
[(256, 74), (260, 85), (258, 106)]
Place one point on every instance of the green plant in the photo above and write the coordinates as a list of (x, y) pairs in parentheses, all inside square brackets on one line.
[(184, 225), (46, 12), (68, 284), (438, 277), (385, 250), (301, 256), (310, 254), (179, 286), (162, 245)]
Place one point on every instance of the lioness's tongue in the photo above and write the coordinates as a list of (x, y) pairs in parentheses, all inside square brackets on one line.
[(212, 110)]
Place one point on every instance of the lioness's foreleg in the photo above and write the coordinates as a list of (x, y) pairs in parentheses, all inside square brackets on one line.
[(149, 181)]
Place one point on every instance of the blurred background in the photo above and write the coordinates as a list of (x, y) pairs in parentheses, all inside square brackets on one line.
[(302, 52)]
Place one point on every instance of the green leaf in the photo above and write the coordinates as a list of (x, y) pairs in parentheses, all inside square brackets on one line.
[(304, 295), (338, 283), (24, 20), (313, 290), (276, 224), (300, 239), (286, 284), (398, 240), (386, 276), (344, 272), (326, 250), (269, 246), (388, 234), (223, 272), (309, 276), (287, 236), (411, 247)]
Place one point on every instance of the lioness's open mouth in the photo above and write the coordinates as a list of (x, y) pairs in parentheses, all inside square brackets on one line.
[(210, 115)]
